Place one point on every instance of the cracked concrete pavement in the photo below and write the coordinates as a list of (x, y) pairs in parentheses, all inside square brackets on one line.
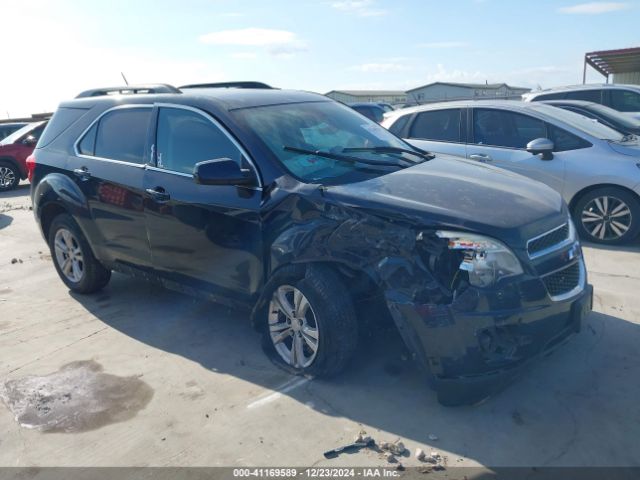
[(217, 400)]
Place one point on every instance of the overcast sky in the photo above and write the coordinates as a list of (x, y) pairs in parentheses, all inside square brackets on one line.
[(52, 50)]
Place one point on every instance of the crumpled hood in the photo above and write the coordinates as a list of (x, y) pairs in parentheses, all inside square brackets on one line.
[(452, 192), (631, 149)]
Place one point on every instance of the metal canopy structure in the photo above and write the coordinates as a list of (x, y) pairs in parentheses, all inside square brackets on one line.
[(608, 62)]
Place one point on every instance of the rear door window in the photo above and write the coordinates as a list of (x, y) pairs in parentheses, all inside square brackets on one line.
[(121, 135), (503, 128), (438, 125), (185, 138)]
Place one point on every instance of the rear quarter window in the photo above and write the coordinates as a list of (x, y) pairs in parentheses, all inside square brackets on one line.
[(399, 125), (61, 121), (121, 135)]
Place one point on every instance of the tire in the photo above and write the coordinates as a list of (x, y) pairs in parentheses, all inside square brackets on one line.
[(608, 215), (9, 176), (330, 312), (90, 276)]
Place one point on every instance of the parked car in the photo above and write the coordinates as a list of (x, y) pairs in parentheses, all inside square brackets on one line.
[(295, 206), (14, 150), (623, 98), (372, 111), (594, 167), (605, 115), (7, 129)]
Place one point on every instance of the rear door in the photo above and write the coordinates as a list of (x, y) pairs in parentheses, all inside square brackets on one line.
[(440, 131), (108, 166), (499, 137), (204, 236)]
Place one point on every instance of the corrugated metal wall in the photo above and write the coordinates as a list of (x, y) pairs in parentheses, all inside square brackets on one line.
[(631, 77)]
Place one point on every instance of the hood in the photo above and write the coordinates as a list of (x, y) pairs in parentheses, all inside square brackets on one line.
[(452, 192), (631, 148)]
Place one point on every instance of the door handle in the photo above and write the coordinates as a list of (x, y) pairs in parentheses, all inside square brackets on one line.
[(158, 194), (82, 173), (481, 157)]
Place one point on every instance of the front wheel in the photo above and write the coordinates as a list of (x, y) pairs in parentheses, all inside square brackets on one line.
[(608, 215), (310, 325), (73, 258)]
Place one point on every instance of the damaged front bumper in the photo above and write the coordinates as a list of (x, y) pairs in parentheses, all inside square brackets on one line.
[(477, 344)]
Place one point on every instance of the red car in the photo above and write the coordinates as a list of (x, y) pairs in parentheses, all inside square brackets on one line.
[(14, 151)]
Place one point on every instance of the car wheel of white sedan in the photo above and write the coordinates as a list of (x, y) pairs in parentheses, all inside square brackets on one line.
[(608, 215)]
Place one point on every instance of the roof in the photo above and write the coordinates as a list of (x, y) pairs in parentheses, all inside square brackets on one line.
[(225, 98), (586, 86), (369, 93), (485, 86), (614, 61), (511, 104)]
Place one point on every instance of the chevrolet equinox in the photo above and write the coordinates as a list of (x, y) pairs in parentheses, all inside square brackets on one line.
[(299, 208)]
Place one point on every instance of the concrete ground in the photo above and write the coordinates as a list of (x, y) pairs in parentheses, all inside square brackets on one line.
[(194, 387)]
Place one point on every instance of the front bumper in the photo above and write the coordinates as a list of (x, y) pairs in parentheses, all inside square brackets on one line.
[(476, 345)]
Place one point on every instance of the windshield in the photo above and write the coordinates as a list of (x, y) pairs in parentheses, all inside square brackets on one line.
[(329, 128), (587, 125), (614, 115), (15, 136)]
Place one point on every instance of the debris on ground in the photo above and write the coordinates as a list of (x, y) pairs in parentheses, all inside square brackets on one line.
[(396, 448), (14, 260), (390, 458), (350, 448), (420, 455), (362, 437)]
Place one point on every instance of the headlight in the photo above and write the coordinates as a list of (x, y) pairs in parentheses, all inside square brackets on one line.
[(485, 260)]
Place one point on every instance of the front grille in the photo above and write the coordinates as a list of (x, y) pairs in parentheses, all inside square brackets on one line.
[(548, 240), (563, 281)]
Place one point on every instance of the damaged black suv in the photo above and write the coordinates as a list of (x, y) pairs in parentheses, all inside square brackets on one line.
[(300, 208)]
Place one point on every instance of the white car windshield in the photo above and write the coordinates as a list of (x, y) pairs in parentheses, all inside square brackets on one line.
[(587, 125)]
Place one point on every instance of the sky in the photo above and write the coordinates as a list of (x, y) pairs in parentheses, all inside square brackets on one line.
[(52, 50)]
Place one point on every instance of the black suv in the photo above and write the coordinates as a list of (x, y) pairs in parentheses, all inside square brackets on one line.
[(298, 207)]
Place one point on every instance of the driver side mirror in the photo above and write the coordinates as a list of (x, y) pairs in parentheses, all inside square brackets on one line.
[(30, 141), (541, 146), (221, 171)]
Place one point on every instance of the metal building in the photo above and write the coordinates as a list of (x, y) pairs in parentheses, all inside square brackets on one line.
[(393, 97), (445, 91), (623, 64)]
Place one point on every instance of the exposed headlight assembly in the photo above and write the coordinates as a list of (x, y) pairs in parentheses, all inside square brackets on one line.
[(485, 260)]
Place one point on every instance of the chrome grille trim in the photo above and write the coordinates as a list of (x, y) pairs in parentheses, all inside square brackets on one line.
[(570, 238)]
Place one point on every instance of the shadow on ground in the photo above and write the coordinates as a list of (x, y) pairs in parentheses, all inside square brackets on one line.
[(578, 406), (21, 190)]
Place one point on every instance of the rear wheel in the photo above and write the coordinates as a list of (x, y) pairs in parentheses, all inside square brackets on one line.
[(608, 215), (73, 258), (310, 325), (9, 176)]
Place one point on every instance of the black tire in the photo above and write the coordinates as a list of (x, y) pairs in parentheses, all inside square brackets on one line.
[(590, 207), (334, 313), (94, 275), (8, 169)]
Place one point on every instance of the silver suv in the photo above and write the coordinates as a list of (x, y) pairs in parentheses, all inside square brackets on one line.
[(595, 168), (623, 98)]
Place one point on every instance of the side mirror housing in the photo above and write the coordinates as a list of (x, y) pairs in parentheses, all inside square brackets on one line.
[(541, 146), (30, 141), (221, 171)]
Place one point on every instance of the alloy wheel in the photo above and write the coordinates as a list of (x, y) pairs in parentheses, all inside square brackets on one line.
[(7, 177), (69, 255), (606, 218), (293, 327)]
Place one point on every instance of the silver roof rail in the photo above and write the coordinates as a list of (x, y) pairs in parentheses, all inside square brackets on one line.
[(129, 90)]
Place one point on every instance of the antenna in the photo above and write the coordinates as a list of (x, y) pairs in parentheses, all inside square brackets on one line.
[(124, 78)]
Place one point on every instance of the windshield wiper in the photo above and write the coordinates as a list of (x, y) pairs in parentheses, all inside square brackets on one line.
[(339, 157), (388, 149)]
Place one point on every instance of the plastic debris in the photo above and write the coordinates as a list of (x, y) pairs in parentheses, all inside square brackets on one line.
[(433, 438), (350, 448), (396, 448), (421, 455)]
